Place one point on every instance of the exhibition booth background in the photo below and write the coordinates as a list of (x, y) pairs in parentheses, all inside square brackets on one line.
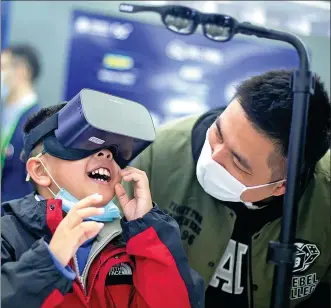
[(75, 55)]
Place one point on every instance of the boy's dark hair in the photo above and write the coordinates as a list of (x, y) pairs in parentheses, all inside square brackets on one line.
[(29, 55), (267, 101), (39, 117), (32, 122)]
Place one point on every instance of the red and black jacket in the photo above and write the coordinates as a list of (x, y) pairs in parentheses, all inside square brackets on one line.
[(148, 268)]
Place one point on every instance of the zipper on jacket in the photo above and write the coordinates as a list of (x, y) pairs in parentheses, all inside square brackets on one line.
[(78, 273), (95, 253), (250, 273), (133, 291), (116, 256)]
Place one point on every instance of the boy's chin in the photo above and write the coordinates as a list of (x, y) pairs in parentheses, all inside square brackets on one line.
[(106, 198), (107, 195), (107, 191)]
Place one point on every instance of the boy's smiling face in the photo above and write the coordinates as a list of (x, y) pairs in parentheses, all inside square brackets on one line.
[(98, 173)]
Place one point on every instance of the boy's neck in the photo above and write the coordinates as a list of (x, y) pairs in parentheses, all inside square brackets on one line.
[(45, 194)]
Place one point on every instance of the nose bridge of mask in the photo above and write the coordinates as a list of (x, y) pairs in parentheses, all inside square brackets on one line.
[(221, 172)]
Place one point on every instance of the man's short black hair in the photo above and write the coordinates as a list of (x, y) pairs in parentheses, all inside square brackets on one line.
[(267, 101), (29, 55)]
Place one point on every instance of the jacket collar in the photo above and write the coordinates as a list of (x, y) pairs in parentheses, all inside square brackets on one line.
[(42, 217), (32, 214)]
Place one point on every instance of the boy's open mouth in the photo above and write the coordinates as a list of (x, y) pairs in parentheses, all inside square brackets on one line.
[(100, 174)]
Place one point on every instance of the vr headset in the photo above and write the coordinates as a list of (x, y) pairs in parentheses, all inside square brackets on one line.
[(92, 121)]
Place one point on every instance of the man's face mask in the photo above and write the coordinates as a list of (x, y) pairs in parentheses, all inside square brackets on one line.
[(218, 182), (68, 201)]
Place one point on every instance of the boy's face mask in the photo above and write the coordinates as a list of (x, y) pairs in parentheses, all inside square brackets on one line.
[(68, 201), (218, 182)]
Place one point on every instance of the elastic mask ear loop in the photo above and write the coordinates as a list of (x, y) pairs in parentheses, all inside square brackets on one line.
[(265, 185), (50, 177), (28, 177), (250, 205)]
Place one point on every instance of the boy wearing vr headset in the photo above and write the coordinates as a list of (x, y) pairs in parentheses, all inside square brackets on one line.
[(88, 257)]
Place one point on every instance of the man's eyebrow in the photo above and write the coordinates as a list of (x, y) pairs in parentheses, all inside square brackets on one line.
[(242, 160)]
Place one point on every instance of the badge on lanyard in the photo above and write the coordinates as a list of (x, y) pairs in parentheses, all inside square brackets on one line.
[(10, 151)]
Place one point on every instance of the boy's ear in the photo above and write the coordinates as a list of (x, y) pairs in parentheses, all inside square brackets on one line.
[(37, 172)]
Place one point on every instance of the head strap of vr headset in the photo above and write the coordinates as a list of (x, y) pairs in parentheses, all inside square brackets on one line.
[(36, 134)]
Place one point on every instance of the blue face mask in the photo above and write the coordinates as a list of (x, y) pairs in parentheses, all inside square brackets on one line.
[(68, 201)]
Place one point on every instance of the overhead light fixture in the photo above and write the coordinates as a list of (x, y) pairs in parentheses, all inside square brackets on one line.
[(191, 73), (325, 5), (259, 16), (184, 106), (209, 6), (302, 27), (256, 15), (155, 2)]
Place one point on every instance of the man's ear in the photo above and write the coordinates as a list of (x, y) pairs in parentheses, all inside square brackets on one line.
[(280, 189), (37, 172)]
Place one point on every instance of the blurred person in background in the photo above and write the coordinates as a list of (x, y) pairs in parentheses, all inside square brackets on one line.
[(222, 176), (20, 67)]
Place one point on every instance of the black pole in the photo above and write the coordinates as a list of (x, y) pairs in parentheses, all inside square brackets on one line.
[(302, 83)]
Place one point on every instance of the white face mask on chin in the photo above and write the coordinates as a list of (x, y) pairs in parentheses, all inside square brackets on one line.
[(218, 182)]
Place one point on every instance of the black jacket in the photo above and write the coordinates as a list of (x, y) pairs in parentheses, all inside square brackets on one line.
[(23, 231)]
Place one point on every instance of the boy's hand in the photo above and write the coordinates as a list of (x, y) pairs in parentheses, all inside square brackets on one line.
[(142, 203), (72, 232)]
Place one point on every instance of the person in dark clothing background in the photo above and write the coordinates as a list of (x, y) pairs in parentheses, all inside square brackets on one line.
[(20, 68)]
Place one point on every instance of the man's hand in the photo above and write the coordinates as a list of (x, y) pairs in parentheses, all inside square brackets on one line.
[(72, 232), (142, 203)]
